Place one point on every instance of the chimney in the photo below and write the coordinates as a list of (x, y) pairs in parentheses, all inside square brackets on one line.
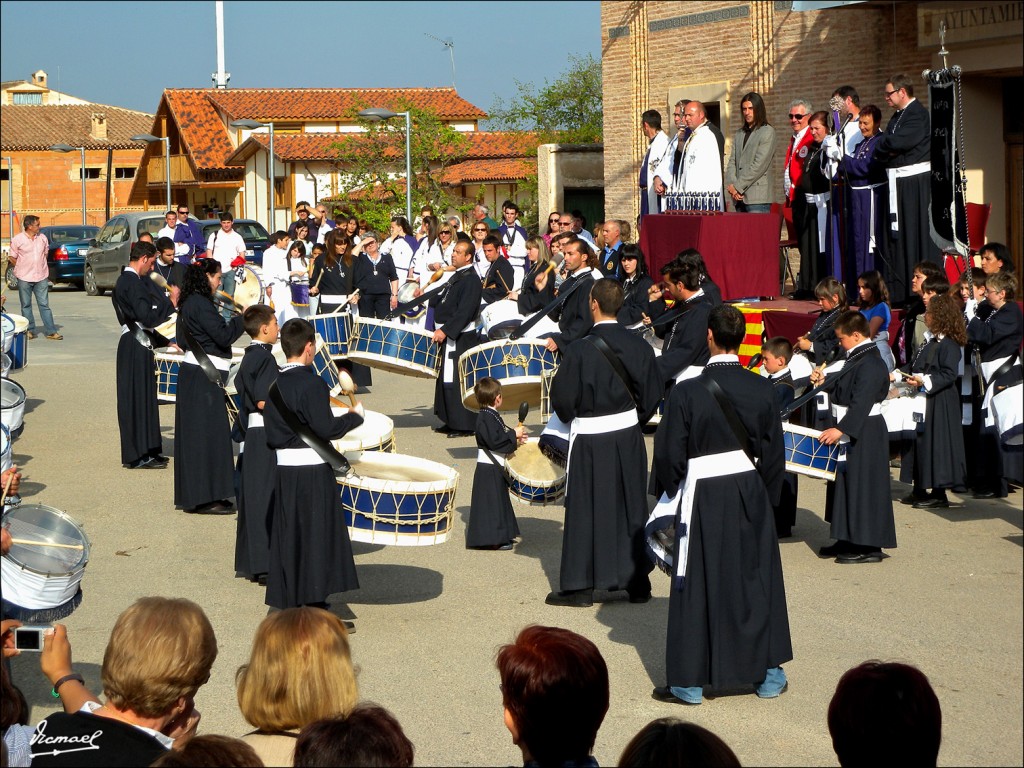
[(39, 78), (98, 127)]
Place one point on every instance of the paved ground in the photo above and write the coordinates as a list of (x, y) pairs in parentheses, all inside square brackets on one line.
[(430, 619)]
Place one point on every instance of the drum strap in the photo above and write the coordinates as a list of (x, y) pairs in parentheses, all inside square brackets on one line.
[(1002, 370), (616, 364), (730, 414), (204, 359), (148, 340), (324, 450), (559, 301)]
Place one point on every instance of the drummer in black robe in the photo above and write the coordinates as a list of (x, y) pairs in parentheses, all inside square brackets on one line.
[(728, 626), (375, 278), (905, 148), (538, 289), (858, 504), (203, 461), (603, 544), (684, 328), (492, 522), (310, 552), (139, 305), (776, 354), (636, 287), (500, 277), (574, 317), (167, 266), (257, 463), (936, 459), (455, 311), (333, 279)]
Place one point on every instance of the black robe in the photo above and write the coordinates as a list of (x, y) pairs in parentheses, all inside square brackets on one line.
[(603, 545), (455, 311), (907, 141), (936, 458), (530, 299), (815, 255), (173, 273), (785, 510), (636, 301), (257, 463), (339, 280), (310, 552), (203, 457), (574, 318), (138, 415), (498, 281), (727, 621), (859, 504), (686, 339), (492, 522), (374, 284)]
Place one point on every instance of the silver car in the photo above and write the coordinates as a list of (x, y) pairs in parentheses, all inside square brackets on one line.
[(108, 253)]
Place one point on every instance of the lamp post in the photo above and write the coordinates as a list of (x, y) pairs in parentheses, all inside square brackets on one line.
[(10, 196), (149, 138), (252, 125), (69, 148), (377, 113)]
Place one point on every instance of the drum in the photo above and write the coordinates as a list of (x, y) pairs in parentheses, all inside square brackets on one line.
[(1007, 405), (249, 288), (168, 360), (518, 365), (9, 329), (533, 477), (499, 319), (5, 448), (904, 415), (232, 398), (300, 294), (407, 293), (391, 498), (545, 394), (806, 456), (44, 576), (336, 329), (17, 348), (394, 347), (5, 364), (169, 329), (325, 368), (376, 433), (12, 412)]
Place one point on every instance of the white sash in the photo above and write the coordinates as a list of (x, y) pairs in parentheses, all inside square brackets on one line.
[(899, 173)]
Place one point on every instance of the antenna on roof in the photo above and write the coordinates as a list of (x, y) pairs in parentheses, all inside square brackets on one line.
[(448, 43), (220, 77)]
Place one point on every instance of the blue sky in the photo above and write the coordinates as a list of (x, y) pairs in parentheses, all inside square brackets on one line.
[(125, 53)]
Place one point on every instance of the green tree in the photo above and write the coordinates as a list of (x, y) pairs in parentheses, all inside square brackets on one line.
[(372, 165)]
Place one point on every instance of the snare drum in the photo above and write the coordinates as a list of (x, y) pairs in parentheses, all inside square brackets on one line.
[(300, 294), (44, 577), (391, 498), (325, 368), (9, 329), (250, 289), (806, 456), (17, 347), (376, 433), (499, 319), (168, 360), (5, 448), (904, 415), (1007, 406), (518, 365), (12, 412), (394, 347), (407, 293), (336, 328), (545, 394), (533, 476)]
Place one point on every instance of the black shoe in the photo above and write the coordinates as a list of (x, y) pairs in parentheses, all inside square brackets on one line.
[(854, 558), (159, 458), (212, 508), (350, 627), (985, 495), (664, 693), (444, 429), (912, 498), (783, 533), (931, 504), (839, 548), (453, 433), (576, 598), (640, 597), (144, 463), (261, 579)]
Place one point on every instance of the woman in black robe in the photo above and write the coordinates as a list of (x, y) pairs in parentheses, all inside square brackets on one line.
[(530, 298), (333, 280), (815, 184), (636, 286), (203, 465)]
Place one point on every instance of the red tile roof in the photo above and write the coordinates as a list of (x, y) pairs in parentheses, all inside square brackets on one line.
[(202, 130), (495, 169), (39, 126)]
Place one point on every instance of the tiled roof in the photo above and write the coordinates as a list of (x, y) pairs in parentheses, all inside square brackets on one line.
[(202, 130), (333, 103), (496, 169), (502, 144), (39, 126)]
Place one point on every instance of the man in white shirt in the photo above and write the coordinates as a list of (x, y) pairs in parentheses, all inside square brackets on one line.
[(168, 230), (225, 245), (701, 170), (513, 240), (275, 277)]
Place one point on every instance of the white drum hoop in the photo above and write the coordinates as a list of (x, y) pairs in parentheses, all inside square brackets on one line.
[(40, 577)]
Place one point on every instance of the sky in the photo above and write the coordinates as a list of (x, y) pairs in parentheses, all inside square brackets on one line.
[(125, 53)]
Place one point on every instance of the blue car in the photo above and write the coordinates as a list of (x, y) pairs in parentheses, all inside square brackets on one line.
[(66, 257)]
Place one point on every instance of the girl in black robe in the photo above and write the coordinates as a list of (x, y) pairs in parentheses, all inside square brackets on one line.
[(636, 286), (333, 280), (530, 298), (203, 461)]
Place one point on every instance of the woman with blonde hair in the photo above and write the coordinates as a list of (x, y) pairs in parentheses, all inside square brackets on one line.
[(537, 291), (300, 671)]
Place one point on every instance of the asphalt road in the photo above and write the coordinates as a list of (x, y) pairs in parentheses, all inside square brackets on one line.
[(430, 619)]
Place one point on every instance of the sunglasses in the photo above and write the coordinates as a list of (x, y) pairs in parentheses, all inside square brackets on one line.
[(183, 213), (797, 117), (479, 229)]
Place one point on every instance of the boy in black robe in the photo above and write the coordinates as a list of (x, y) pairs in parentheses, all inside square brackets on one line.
[(573, 316), (492, 523), (455, 311), (776, 353), (310, 553), (257, 463), (139, 305)]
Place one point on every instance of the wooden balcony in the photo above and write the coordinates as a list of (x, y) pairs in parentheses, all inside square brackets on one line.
[(181, 170)]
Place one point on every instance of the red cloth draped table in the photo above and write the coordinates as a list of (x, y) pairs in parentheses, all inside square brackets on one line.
[(741, 250)]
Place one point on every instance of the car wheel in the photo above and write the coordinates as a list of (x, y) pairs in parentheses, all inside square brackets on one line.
[(91, 289), (12, 281)]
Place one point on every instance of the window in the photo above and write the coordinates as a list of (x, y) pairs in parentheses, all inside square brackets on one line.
[(91, 173), (124, 173), (4, 175), (28, 98)]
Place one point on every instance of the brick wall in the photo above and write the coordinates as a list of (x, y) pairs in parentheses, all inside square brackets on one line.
[(48, 185), (764, 47)]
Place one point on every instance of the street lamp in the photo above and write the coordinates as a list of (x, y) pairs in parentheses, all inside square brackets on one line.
[(252, 125), (149, 138), (376, 114), (10, 195), (69, 148)]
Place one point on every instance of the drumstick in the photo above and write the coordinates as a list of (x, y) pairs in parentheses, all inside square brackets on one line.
[(7, 486), (238, 307), (159, 279), (435, 277), (29, 542)]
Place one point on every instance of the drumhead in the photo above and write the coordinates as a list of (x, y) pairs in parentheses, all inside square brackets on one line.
[(530, 465), (48, 525), (398, 473), (407, 293), (250, 290), (12, 394), (376, 431)]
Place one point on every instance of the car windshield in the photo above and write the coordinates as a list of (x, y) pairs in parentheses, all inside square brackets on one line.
[(249, 230), (150, 225), (60, 235)]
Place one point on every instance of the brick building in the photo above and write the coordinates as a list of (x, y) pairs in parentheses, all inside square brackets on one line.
[(655, 53)]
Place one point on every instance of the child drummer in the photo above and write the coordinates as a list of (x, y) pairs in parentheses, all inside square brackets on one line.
[(492, 523), (776, 354)]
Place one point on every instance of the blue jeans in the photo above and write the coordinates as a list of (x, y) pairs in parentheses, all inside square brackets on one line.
[(41, 291), (227, 284), (742, 207)]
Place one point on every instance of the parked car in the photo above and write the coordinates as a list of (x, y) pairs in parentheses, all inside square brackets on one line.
[(256, 237), (66, 257)]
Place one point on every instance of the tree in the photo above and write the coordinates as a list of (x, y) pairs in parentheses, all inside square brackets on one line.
[(373, 165), (568, 111)]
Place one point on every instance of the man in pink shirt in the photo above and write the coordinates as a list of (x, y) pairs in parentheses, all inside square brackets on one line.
[(28, 253)]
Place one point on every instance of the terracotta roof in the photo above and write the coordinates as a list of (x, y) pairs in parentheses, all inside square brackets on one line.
[(202, 130), (502, 144), (39, 126), (496, 169), (334, 103)]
